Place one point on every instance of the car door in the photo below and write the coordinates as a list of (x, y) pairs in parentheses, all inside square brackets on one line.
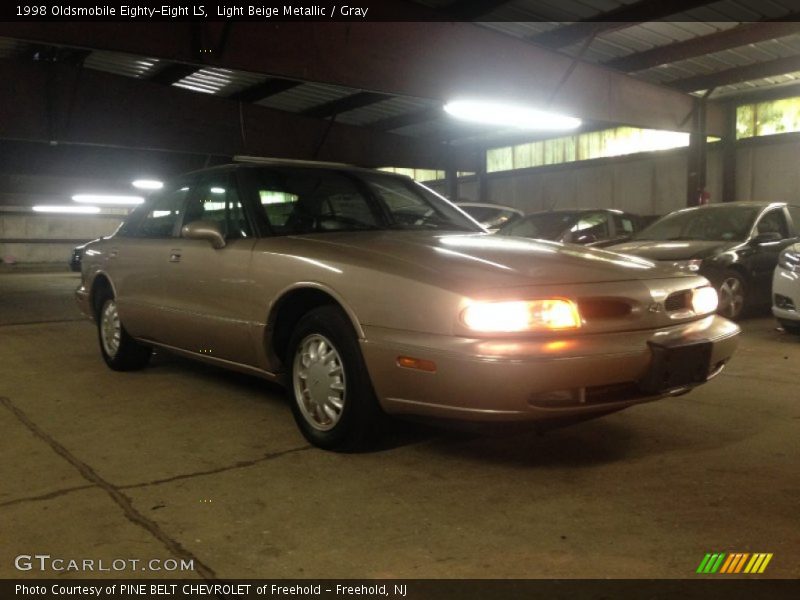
[(136, 260), (765, 255), (209, 291)]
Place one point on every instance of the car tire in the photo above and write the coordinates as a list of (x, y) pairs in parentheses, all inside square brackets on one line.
[(333, 402), (732, 292), (790, 327), (120, 351)]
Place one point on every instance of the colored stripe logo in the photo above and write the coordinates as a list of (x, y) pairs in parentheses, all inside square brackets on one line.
[(734, 562)]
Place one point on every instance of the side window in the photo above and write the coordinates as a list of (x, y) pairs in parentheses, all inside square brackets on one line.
[(590, 227), (305, 201), (161, 213), (623, 224), (216, 199), (278, 205), (774, 222)]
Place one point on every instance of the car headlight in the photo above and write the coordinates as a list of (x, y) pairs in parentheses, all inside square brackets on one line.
[(692, 265), (704, 300), (551, 314), (790, 260)]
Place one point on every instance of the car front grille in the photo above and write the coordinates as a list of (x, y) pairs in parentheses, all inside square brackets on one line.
[(603, 308), (678, 301)]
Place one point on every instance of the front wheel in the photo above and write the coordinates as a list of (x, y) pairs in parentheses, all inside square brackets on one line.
[(732, 296), (792, 327), (120, 351), (334, 403)]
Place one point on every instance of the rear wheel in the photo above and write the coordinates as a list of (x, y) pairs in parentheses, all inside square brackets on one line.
[(732, 296), (120, 351), (334, 403)]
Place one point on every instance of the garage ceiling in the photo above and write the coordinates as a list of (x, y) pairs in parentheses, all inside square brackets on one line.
[(637, 62)]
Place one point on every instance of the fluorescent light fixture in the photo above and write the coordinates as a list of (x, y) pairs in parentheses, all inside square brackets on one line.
[(509, 115), (86, 210), (148, 184), (217, 190), (108, 199)]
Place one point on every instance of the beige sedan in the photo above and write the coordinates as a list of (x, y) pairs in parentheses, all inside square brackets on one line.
[(367, 294)]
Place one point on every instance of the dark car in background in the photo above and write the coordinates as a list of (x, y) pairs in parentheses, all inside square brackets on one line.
[(76, 258), (735, 245), (587, 227)]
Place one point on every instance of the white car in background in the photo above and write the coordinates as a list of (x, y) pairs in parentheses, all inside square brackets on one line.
[(786, 290), (491, 216)]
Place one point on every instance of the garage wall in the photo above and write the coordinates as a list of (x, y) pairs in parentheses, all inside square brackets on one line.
[(40, 230), (768, 169), (645, 184)]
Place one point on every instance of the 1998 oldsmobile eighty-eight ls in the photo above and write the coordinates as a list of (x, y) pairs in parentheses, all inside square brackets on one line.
[(365, 294)]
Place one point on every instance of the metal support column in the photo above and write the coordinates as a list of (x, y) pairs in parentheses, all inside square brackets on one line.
[(480, 172), (696, 180), (451, 177), (729, 155)]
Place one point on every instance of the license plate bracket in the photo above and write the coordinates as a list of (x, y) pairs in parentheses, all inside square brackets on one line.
[(675, 367)]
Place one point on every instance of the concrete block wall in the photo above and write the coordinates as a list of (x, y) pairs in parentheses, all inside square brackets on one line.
[(769, 171), (40, 228), (653, 184)]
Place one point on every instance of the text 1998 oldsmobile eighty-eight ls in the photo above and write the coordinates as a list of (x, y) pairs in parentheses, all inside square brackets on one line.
[(367, 294)]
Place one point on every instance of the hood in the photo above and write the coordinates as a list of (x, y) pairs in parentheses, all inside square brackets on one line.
[(666, 250), (480, 260)]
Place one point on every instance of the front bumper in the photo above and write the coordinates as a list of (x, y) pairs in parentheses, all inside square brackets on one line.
[(786, 284), (515, 379)]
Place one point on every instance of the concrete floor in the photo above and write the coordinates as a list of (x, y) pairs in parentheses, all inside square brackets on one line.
[(184, 461)]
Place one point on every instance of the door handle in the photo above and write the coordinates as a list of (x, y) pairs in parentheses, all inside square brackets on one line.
[(113, 253), (175, 256)]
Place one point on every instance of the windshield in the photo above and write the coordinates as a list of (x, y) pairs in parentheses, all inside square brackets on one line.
[(303, 200), (544, 226), (717, 224)]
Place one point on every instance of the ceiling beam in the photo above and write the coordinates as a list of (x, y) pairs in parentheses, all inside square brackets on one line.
[(89, 107), (789, 90), (619, 18), (750, 33), (435, 60), (342, 105), (772, 68), (467, 10), (22, 158), (265, 89), (405, 120)]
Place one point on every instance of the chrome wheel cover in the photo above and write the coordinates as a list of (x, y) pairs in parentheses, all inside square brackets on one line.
[(110, 328), (731, 298), (319, 382)]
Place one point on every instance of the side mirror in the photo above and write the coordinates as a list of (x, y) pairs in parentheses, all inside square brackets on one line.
[(204, 230), (766, 238)]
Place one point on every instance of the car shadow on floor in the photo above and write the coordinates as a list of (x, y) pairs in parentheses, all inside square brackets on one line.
[(646, 430)]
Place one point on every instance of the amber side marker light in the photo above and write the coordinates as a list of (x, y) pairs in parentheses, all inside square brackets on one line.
[(420, 364)]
